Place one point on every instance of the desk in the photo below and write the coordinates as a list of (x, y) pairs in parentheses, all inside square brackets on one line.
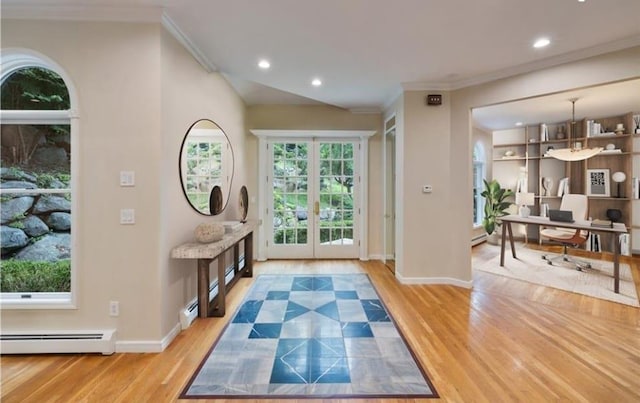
[(618, 228), (205, 253)]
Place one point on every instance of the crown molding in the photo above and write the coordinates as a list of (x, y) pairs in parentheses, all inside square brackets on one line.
[(574, 56), (184, 40), (569, 57), (82, 13), (365, 110)]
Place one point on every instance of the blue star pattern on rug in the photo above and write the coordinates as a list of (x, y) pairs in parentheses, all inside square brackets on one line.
[(310, 336)]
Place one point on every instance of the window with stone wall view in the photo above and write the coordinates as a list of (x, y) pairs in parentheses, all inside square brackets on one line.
[(35, 189)]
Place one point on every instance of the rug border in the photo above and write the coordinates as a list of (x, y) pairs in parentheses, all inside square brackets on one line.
[(425, 375)]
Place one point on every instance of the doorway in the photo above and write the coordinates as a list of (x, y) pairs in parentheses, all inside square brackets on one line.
[(312, 196), (389, 164)]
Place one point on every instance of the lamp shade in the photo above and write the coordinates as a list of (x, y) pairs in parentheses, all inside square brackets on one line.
[(573, 154), (525, 199)]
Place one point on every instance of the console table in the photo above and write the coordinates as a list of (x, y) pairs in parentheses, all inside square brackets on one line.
[(205, 253), (618, 228)]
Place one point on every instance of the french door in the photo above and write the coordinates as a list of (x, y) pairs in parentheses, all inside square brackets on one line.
[(313, 202)]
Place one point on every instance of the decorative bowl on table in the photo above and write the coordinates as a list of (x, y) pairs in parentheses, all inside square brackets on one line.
[(209, 232)]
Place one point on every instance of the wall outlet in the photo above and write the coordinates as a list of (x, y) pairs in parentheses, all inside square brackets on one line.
[(114, 308), (427, 189)]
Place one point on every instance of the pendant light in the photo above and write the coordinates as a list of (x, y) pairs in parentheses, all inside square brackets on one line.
[(572, 153)]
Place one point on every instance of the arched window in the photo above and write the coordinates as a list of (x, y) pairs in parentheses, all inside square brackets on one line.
[(478, 185), (37, 145)]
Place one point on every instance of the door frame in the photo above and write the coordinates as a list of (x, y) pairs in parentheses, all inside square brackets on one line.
[(264, 136)]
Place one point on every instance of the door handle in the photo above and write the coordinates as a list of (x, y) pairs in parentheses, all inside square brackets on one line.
[(316, 208)]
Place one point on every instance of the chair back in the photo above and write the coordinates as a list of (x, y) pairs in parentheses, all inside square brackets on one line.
[(577, 203)]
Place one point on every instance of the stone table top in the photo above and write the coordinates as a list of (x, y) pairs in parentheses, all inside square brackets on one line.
[(196, 250)]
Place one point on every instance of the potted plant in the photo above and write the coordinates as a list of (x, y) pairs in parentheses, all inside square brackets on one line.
[(495, 205)]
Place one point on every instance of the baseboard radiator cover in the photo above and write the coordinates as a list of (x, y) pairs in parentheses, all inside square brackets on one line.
[(190, 312), (478, 239), (64, 341)]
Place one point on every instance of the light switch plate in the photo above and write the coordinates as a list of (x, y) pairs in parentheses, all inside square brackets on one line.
[(127, 178), (127, 216), (427, 189)]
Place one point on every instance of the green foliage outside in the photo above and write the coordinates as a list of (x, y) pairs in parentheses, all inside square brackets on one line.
[(27, 276), (336, 173), (34, 89)]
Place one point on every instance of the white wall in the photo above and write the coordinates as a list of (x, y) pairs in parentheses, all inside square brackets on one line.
[(139, 91), (436, 147), (189, 93), (115, 68)]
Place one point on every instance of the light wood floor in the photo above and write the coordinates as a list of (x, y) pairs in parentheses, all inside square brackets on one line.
[(501, 341)]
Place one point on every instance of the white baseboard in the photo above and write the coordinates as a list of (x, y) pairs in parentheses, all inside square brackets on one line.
[(478, 239), (435, 280), (148, 346), (58, 341)]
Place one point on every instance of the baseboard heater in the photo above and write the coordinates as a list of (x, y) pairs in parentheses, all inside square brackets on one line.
[(190, 312), (477, 239), (41, 342)]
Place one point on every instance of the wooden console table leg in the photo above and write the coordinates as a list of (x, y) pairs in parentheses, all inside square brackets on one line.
[(236, 258), (248, 256), (203, 287), (220, 307)]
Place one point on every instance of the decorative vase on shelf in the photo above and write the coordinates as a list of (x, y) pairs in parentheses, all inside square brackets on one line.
[(560, 135), (547, 183)]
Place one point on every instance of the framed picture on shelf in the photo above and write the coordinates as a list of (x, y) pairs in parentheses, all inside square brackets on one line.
[(598, 182)]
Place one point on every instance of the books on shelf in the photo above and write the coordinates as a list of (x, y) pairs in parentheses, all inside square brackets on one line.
[(625, 244), (563, 187), (544, 133), (593, 242), (601, 223), (544, 210)]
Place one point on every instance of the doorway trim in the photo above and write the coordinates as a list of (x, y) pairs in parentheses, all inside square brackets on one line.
[(266, 135)]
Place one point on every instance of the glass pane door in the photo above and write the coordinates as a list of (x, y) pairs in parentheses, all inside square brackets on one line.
[(337, 202), (313, 203), (290, 203)]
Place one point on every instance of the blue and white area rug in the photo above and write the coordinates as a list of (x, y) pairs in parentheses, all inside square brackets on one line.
[(310, 336)]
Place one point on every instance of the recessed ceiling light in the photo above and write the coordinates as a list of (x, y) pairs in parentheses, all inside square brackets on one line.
[(581, 1), (519, 123), (316, 82), (541, 43), (264, 64)]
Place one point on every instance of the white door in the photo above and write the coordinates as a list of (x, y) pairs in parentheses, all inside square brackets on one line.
[(312, 195)]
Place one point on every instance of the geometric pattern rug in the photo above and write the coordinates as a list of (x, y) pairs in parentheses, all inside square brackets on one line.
[(595, 282), (310, 336)]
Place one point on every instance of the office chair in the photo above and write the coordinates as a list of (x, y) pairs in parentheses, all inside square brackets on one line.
[(578, 204)]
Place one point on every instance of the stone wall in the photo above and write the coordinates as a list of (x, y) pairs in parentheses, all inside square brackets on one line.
[(34, 227)]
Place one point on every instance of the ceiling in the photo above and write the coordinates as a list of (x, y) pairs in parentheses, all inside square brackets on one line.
[(367, 51)]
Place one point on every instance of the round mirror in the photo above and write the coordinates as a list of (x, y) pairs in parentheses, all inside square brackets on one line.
[(206, 167)]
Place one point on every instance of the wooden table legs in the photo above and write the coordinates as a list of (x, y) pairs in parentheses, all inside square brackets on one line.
[(507, 228), (217, 307), (203, 287)]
